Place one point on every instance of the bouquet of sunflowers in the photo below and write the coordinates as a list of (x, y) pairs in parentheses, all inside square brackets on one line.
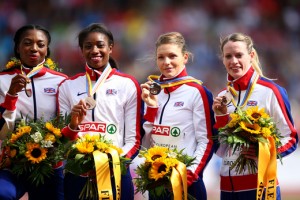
[(98, 159), (34, 148), (164, 170), (249, 127)]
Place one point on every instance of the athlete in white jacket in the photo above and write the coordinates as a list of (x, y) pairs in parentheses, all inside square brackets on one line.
[(180, 116), (245, 76), (31, 48), (101, 100)]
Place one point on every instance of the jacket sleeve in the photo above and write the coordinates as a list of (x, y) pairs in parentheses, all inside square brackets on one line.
[(64, 108), (204, 130), (132, 115), (7, 114), (280, 110)]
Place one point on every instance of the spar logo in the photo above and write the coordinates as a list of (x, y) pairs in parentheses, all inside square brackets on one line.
[(95, 127), (165, 131), (111, 128), (175, 132)]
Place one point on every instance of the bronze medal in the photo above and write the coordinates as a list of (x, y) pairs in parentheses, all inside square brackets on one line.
[(226, 99), (90, 103), (155, 88)]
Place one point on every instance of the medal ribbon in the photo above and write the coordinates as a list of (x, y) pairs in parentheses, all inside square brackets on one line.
[(267, 170), (34, 70), (248, 91), (179, 181), (173, 82), (92, 90), (103, 175)]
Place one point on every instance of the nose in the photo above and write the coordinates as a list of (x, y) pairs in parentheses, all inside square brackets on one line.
[(34, 47), (234, 59), (94, 49), (167, 61)]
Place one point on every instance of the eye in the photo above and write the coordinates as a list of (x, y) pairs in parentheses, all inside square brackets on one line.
[(173, 56), (101, 46), (228, 56), (27, 42), (87, 46), (41, 45), (160, 57), (239, 55)]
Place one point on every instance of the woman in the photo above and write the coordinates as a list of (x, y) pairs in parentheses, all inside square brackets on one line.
[(252, 89), (23, 93), (114, 99), (186, 104)]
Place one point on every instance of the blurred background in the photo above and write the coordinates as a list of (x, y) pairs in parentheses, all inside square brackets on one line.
[(274, 26)]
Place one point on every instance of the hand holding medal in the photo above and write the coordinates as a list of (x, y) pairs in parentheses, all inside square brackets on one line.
[(155, 88), (18, 83), (34, 71), (89, 101), (226, 99)]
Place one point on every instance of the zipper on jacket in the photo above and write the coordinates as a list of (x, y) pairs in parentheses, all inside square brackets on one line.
[(34, 100), (162, 112), (239, 98), (95, 97)]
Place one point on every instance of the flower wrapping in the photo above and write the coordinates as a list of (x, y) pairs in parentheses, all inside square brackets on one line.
[(97, 158), (34, 148), (163, 171)]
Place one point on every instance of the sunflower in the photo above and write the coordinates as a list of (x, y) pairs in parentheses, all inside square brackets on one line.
[(20, 132), (155, 153), (251, 128), (102, 146), (160, 167), (90, 138), (24, 129), (266, 132), (254, 113), (55, 131), (85, 147), (235, 118), (35, 153), (50, 137)]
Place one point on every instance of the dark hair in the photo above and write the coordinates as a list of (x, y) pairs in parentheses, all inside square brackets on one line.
[(19, 34), (98, 28)]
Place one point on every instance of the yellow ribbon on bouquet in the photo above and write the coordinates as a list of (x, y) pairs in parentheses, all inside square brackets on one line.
[(103, 174), (179, 181), (267, 170)]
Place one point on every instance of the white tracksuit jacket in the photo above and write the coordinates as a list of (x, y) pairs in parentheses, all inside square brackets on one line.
[(117, 114), (274, 100), (183, 120), (42, 103)]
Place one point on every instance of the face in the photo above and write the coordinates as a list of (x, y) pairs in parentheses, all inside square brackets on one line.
[(96, 50), (33, 47), (236, 58), (170, 60)]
